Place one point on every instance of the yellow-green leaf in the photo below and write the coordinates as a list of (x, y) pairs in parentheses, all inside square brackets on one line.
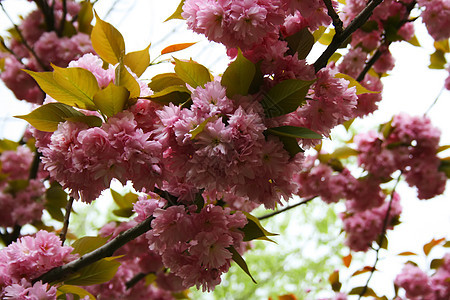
[(164, 80), (112, 99), (91, 121), (192, 73), (138, 61), (318, 33), (56, 200), (48, 116), (442, 45), (176, 47), (437, 60), (301, 43), (344, 152), (238, 77), (98, 272), (327, 37), (237, 258), (88, 244), (253, 230), (333, 279), (352, 82), (429, 246), (64, 91), (295, 132), (74, 290), (85, 17), (107, 41), (200, 127), (414, 41), (177, 13), (125, 79)]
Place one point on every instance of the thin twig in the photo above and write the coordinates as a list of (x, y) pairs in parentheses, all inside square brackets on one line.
[(337, 22), (24, 42), (62, 272), (286, 208), (381, 238), (369, 65), (435, 101), (63, 233)]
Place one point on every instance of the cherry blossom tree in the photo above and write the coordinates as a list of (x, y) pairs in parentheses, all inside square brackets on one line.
[(204, 148)]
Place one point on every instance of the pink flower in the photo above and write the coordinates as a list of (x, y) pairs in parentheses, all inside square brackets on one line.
[(414, 281), (24, 291)]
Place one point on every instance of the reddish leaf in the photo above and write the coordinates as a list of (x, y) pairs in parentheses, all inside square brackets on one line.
[(176, 47), (429, 246), (334, 281), (347, 260), (407, 253), (287, 297)]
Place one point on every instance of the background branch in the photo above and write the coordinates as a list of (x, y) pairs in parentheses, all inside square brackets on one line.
[(286, 208)]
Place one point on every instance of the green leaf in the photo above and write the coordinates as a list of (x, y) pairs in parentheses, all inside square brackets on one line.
[(15, 186), (88, 244), (445, 167), (177, 13), (138, 61), (352, 82), (164, 80), (176, 47), (369, 26), (85, 17), (238, 77), (56, 200), (237, 258), (318, 33), (291, 145), (437, 60), (335, 57), (72, 88), (192, 73), (172, 94), (344, 152), (443, 148), (300, 43), (436, 263), (253, 230), (74, 290), (91, 121), (384, 242), (98, 272), (414, 41), (107, 41), (69, 29), (125, 203), (112, 99), (48, 116), (295, 132), (285, 97), (125, 79)]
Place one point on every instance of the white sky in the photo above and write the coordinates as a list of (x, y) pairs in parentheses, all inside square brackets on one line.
[(410, 88)]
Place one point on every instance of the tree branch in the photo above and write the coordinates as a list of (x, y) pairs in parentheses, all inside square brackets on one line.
[(133, 281), (107, 250), (339, 38), (337, 22), (286, 208)]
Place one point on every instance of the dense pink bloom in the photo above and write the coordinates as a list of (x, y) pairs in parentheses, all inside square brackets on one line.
[(234, 23), (367, 103), (447, 80), (31, 257), (353, 62), (415, 282), (25, 291), (437, 18), (16, 164), (194, 246), (364, 227)]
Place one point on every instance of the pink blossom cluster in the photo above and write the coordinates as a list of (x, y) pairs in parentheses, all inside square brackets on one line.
[(436, 16), (22, 199), (136, 258), (418, 285), (364, 227), (410, 146), (231, 146), (245, 24), (195, 245), (48, 47), (86, 159), (28, 258), (25, 291)]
